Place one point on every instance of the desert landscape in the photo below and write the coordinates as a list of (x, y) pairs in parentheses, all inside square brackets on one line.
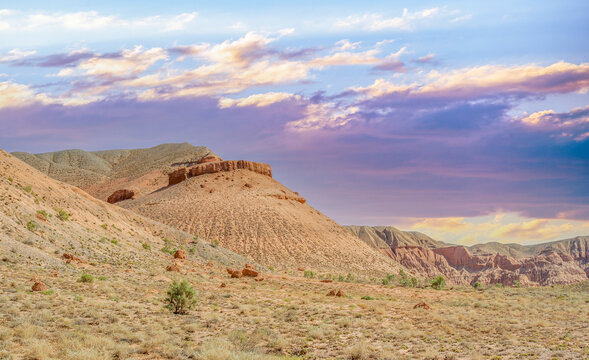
[(294, 180)]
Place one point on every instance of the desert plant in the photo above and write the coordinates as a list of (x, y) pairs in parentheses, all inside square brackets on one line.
[(215, 243), (192, 250), (86, 278), (28, 188), (31, 225), (115, 241), (516, 283), (181, 297), (63, 215), (271, 268), (168, 247), (42, 212), (309, 274), (438, 283), (146, 246), (367, 298), (10, 179), (477, 285)]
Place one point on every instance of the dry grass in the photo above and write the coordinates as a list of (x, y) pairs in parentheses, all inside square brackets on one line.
[(283, 317)]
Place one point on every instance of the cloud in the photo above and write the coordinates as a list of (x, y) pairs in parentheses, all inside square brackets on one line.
[(573, 124), (376, 22), (258, 100), (427, 59), (17, 95), (443, 224), (15, 54), (92, 21)]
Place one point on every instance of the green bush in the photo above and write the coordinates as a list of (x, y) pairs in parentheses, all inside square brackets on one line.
[(102, 278), (192, 250), (439, 282), (181, 297), (86, 278), (271, 268), (168, 247), (309, 274), (367, 298), (28, 188), (115, 241), (516, 283), (477, 285), (31, 225), (62, 215), (215, 243), (10, 179), (42, 212), (146, 246)]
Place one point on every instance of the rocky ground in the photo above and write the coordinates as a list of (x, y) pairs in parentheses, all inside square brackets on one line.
[(121, 315)]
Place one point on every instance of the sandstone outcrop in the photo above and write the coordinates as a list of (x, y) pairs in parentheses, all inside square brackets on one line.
[(209, 158), (249, 272), (177, 176), (422, 305), (180, 254), (215, 166), (69, 258), (120, 195)]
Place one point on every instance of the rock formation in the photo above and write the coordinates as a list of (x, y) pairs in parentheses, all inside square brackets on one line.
[(177, 176), (215, 166), (120, 195)]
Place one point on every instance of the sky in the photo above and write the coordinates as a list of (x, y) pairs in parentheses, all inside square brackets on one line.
[(466, 120)]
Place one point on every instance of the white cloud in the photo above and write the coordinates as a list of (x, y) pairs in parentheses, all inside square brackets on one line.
[(258, 100), (376, 22), (16, 54)]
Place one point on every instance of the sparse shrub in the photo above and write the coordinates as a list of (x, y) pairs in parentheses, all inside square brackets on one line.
[(181, 297), (86, 278), (63, 215), (215, 243), (195, 238), (271, 268), (102, 278), (168, 247), (28, 188), (31, 226), (146, 246), (309, 274), (10, 179), (115, 241), (439, 282), (43, 213), (499, 285), (516, 283), (406, 281), (192, 250), (367, 298), (48, 292), (477, 285), (385, 281), (102, 240), (104, 226)]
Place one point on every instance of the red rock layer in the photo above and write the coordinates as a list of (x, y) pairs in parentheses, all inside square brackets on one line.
[(120, 195), (214, 166)]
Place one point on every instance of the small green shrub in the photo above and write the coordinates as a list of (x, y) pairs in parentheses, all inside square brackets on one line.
[(63, 215), (516, 283), (42, 212), (477, 285), (192, 250), (367, 298), (438, 283), (168, 247), (146, 246), (86, 278), (181, 297), (31, 225), (28, 188), (103, 240), (115, 241), (104, 226), (102, 278), (215, 243), (271, 268), (309, 274), (10, 179), (48, 292)]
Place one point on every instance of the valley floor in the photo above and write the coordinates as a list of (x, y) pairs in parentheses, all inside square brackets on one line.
[(121, 316)]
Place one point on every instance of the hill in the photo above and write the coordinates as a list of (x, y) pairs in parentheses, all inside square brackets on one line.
[(245, 211)]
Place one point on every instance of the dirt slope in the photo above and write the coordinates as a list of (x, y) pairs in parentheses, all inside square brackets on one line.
[(101, 234), (256, 216)]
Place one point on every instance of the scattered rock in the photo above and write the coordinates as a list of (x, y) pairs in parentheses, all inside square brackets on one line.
[(422, 305), (337, 293), (202, 186), (174, 267), (249, 272), (249, 266), (210, 264), (301, 269), (260, 279), (72, 258), (120, 195), (223, 285), (248, 185), (40, 217), (212, 191), (39, 286), (327, 281), (236, 274), (180, 254), (55, 274)]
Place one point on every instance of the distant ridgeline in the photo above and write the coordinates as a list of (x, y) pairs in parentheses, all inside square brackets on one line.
[(217, 165)]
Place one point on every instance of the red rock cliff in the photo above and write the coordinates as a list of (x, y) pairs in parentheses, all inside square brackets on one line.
[(217, 166)]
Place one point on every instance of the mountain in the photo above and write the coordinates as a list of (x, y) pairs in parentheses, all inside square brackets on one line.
[(558, 262), (45, 222), (236, 203)]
